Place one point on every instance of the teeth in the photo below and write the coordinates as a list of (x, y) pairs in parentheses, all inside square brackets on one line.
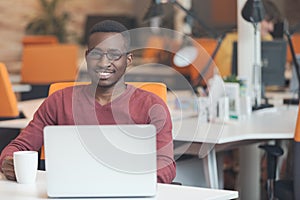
[(104, 73), (101, 71)]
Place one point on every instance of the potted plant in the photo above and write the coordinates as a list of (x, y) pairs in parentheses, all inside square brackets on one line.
[(49, 22)]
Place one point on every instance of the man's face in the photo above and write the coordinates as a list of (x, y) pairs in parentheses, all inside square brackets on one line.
[(266, 27), (107, 58)]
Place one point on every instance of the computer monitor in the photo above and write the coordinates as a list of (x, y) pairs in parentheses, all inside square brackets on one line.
[(273, 55)]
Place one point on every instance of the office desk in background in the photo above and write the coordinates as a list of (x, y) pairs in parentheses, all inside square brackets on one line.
[(21, 88), (38, 191), (28, 108), (268, 124)]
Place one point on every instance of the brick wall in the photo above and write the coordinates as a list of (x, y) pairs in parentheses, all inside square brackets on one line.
[(15, 15)]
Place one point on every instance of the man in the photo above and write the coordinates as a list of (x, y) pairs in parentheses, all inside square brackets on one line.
[(107, 100), (224, 56)]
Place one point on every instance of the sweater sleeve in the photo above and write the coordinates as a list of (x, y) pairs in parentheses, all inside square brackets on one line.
[(160, 117), (31, 138)]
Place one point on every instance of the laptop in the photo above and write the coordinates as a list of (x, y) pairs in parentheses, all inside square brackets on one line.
[(100, 160)]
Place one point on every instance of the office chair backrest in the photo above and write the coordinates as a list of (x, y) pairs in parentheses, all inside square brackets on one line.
[(160, 89), (297, 129), (154, 47), (296, 155), (158, 47), (45, 64), (205, 51), (39, 39), (209, 44), (296, 44), (8, 100)]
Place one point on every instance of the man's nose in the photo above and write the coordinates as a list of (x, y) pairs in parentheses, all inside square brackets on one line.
[(104, 61)]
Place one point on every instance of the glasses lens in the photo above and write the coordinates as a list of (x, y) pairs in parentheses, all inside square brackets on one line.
[(114, 54), (95, 54)]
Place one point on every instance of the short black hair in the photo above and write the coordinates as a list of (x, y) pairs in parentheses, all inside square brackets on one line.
[(111, 26)]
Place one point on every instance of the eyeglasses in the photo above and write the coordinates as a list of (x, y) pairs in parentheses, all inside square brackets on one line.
[(111, 54)]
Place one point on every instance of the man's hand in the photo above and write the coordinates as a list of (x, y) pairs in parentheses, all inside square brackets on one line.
[(8, 168)]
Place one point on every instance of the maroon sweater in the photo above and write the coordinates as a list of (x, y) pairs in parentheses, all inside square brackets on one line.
[(76, 106)]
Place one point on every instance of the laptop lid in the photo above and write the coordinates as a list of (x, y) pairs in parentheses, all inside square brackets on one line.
[(100, 160)]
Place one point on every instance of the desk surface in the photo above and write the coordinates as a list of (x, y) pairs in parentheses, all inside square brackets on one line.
[(271, 123), (28, 108), (21, 87), (13, 190)]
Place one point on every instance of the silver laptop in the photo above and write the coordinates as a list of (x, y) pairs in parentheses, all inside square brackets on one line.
[(100, 160)]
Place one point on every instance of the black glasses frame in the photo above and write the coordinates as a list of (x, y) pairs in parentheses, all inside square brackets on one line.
[(109, 55)]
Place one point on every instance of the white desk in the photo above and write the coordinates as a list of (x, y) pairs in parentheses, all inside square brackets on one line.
[(21, 87), (28, 108), (268, 124), (38, 191), (271, 123), (206, 139), (15, 79)]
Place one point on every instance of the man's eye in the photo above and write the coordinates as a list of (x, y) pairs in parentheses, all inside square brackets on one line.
[(115, 54), (95, 53)]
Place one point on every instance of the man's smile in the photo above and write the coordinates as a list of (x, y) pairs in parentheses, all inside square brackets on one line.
[(104, 74)]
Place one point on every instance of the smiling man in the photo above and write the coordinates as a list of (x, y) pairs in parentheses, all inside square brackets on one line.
[(107, 100)]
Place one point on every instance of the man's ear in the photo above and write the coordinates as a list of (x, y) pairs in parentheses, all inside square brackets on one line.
[(129, 59)]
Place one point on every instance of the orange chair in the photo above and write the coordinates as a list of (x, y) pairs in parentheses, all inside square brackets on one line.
[(296, 44), (159, 89), (8, 108), (8, 100), (205, 47), (208, 46), (39, 39), (159, 49), (46, 64), (154, 47)]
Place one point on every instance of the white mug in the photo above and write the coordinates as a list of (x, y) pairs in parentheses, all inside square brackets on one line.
[(25, 165)]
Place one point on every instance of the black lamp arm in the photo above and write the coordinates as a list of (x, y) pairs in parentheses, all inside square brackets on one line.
[(296, 64), (195, 17)]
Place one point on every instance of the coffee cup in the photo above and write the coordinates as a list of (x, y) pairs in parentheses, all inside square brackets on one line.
[(25, 166)]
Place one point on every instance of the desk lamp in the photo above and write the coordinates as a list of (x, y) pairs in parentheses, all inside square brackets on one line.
[(188, 53), (253, 12), (156, 10)]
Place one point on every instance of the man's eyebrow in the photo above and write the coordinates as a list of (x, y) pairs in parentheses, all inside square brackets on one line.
[(97, 48)]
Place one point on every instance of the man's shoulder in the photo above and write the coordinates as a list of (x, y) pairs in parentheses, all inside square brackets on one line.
[(145, 96), (69, 91)]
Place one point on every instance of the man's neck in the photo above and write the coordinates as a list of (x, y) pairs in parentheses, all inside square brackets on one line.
[(105, 95)]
